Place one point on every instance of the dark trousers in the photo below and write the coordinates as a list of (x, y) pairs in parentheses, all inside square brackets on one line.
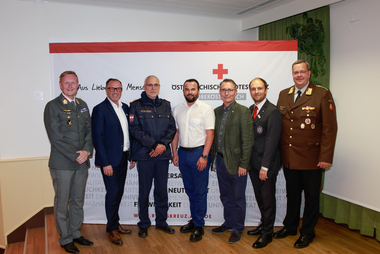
[(232, 195), (265, 193), (195, 182), (115, 189), (149, 170), (310, 182)]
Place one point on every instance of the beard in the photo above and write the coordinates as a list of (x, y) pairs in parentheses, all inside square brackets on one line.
[(191, 98)]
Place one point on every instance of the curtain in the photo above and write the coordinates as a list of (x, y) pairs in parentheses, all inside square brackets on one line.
[(355, 216)]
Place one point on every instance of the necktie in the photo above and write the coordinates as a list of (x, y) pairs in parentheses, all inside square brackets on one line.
[(73, 103), (298, 96), (254, 113)]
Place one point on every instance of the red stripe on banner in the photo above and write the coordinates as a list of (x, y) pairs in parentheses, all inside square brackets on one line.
[(171, 46)]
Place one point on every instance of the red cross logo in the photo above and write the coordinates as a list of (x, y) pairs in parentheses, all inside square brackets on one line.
[(220, 71)]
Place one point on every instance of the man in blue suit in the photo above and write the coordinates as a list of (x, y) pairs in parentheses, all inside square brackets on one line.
[(111, 138)]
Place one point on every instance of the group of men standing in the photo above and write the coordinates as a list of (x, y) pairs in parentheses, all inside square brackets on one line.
[(232, 139)]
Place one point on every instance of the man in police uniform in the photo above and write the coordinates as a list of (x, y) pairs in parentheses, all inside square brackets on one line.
[(153, 129), (195, 121), (309, 129), (265, 159), (232, 147), (111, 137), (68, 125)]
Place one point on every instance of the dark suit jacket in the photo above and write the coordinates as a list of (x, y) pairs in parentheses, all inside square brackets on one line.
[(267, 131), (309, 127), (69, 131), (107, 134), (237, 138)]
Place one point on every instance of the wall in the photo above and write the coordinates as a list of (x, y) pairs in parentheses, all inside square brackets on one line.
[(354, 82)]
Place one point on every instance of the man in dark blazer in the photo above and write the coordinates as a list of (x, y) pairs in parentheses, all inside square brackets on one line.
[(232, 147), (309, 129), (265, 160), (68, 125), (111, 137)]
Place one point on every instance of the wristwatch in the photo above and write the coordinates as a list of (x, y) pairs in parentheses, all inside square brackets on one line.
[(205, 157)]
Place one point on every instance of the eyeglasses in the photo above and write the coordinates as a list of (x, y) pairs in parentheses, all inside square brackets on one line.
[(118, 89), (152, 85), (227, 90), (299, 72)]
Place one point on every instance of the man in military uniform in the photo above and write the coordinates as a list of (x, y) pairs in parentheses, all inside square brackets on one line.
[(153, 129), (68, 125), (309, 129)]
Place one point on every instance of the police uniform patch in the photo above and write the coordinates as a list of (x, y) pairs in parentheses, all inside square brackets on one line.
[(131, 117), (259, 129)]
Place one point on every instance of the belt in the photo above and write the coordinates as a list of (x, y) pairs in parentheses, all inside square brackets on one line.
[(220, 154), (189, 149)]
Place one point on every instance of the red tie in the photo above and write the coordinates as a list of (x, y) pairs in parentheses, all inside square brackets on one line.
[(254, 113)]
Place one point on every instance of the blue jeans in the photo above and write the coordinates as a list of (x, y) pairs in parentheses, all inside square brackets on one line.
[(195, 182)]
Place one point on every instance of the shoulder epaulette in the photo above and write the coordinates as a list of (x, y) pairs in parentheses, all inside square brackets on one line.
[(322, 87), (166, 100), (133, 101)]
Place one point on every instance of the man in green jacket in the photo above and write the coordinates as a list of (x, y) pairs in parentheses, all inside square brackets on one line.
[(232, 148)]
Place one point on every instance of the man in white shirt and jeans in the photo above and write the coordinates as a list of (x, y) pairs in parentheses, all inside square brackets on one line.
[(195, 132)]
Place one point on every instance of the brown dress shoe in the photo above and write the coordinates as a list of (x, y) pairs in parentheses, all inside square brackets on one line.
[(115, 238), (122, 230)]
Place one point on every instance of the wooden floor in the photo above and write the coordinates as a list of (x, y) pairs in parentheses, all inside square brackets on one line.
[(331, 238)]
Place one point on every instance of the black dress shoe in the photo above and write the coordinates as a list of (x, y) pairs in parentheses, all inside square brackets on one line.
[(189, 227), (143, 232), (282, 233), (221, 229), (70, 248), (256, 231), (303, 242), (167, 229), (196, 235), (235, 237), (83, 241), (262, 241)]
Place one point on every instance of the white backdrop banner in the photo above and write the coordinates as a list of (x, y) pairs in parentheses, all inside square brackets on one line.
[(173, 63)]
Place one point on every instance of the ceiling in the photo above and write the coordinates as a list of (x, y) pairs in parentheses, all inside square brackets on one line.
[(264, 10)]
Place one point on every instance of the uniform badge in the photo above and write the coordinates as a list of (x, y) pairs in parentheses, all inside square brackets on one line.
[(131, 117), (67, 111), (331, 106), (83, 110), (309, 91), (313, 126), (69, 122), (302, 126), (291, 90), (308, 109), (77, 101), (282, 107), (307, 121), (259, 129), (64, 101)]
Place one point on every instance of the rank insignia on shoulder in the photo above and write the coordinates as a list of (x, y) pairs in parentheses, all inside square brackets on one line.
[(166, 100), (291, 90), (309, 91), (76, 99), (322, 87), (131, 117)]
